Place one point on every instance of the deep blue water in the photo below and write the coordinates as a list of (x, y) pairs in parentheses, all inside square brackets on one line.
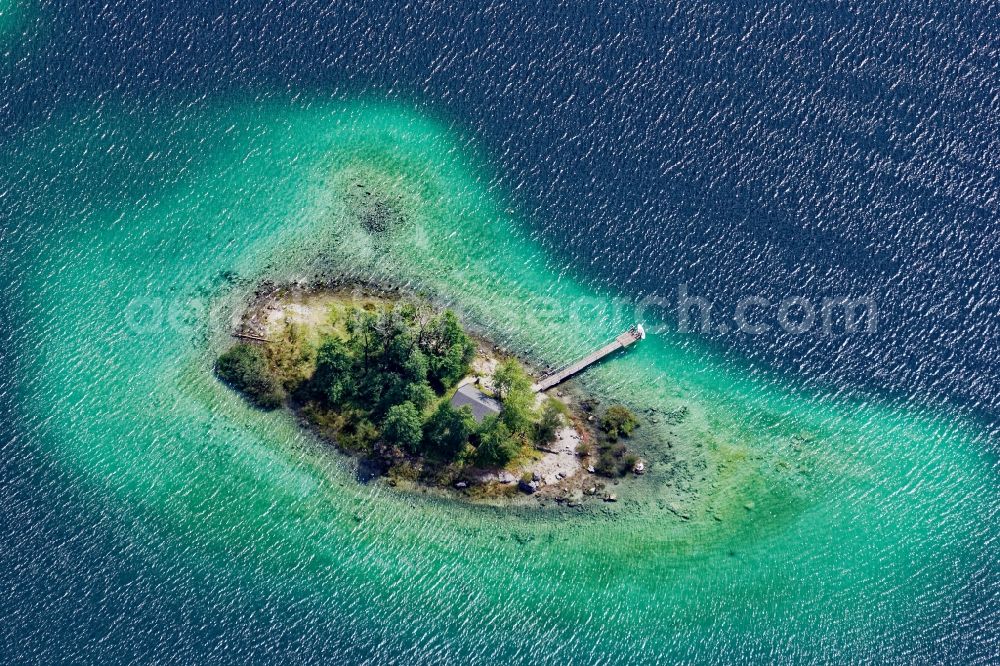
[(768, 149)]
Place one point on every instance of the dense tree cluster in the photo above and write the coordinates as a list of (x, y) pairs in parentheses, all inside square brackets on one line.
[(386, 381), (396, 366), (392, 366)]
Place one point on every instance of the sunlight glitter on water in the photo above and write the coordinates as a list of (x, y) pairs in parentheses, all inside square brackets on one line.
[(852, 505)]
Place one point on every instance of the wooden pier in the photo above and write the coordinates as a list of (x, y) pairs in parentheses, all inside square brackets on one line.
[(627, 338)]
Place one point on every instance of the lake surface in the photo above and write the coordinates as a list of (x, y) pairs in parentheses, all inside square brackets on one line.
[(820, 489)]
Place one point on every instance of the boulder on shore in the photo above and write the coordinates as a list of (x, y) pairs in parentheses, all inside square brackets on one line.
[(527, 487), (506, 477)]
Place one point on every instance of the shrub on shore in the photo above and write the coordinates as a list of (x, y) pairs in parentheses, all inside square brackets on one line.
[(618, 421), (245, 368), (615, 462), (549, 423), (613, 457)]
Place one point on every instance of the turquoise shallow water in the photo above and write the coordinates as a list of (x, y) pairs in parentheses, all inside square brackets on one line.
[(873, 526), (15, 17), (9, 15)]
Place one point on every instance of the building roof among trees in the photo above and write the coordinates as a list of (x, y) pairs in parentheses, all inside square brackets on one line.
[(480, 404)]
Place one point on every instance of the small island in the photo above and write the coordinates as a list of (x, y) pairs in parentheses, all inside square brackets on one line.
[(403, 387)]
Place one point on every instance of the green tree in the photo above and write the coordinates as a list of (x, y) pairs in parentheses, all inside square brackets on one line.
[(396, 347), (513, 388), (447, 369), (509, 378), (497, 445), (388, 360), (333, 380), (618, 421), (244, 367), (517, 412), (447, 431), (362, 335), (548, 424), (402, 427), (448, 348), (420, 394), (290, 357)]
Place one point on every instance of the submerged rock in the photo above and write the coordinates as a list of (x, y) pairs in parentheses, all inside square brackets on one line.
[(680, 513)]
